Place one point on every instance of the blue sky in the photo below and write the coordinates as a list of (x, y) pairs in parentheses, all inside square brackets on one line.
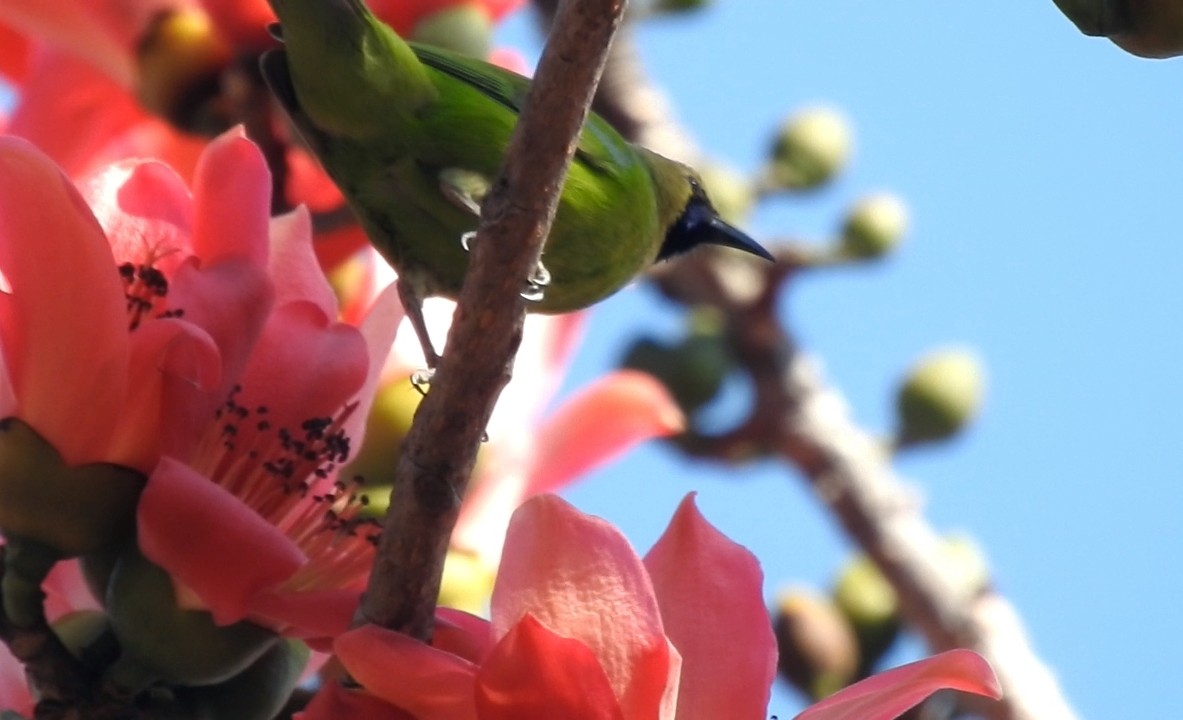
[(1043, 171)]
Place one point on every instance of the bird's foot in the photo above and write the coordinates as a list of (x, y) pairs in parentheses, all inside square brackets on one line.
[(536, 284)]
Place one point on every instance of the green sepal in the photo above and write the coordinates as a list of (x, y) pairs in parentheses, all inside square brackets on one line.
[(164, 642), (74, 510)]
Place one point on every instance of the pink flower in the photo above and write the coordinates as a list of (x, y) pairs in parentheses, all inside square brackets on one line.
[(159, 295), (291, 552), (582, 628)]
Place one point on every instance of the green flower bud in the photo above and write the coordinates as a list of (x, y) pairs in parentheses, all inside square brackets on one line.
[(467, 583), (257, 693), (74, 510), (181, 60), (465, 29), (694, 369), (163, 642), (818, 650), (939, 397), (811, 148), (731, 193), (869, 603), (874, 227)]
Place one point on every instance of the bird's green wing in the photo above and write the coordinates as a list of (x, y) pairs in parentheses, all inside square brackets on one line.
[(600, 147)]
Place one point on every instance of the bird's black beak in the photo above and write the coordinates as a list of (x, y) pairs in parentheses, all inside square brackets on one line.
[(699, 224), (721, 232)]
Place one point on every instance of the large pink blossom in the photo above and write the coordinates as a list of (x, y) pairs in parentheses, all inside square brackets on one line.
[(581, 628), (158, 295), (291, 552)]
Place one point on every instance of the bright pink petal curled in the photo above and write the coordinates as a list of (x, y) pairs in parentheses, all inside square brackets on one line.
[(534, 673), (314, 615), (64, 325), (580, 577), (462, 634), (422, 680), (232, 199), (599, 423), (886, 695), (210, 542), (710, 593), (14, 689)]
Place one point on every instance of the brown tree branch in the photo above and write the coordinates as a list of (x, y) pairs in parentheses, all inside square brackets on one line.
[(438, 454)]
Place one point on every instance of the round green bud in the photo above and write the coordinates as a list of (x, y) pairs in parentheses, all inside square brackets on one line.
[(873, 227), (694, 369), (163, 642), (180, 62), (869, 603), (811, 148), (818, 652), (731, 192), (257, 693), (939, 397), (467, 583), (73, 510), (465, 29)]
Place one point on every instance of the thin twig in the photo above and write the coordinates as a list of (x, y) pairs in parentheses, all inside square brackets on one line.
[(438, 454)]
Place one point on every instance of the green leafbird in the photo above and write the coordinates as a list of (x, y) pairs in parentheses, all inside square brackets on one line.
[(414, 136)]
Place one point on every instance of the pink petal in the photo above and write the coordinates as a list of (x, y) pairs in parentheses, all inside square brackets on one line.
[(230, 300), (66, 591), (462, 634), (232, 199), (293, 264), (580, 577), (598, 424), (95, 31), (210, 542), (64, 341), (888, 694), (378, 328), (534, 673), (415, 677), (313, 615), (305, 366), (171, 362), (145, 210), (710, 593), (14, 689)]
